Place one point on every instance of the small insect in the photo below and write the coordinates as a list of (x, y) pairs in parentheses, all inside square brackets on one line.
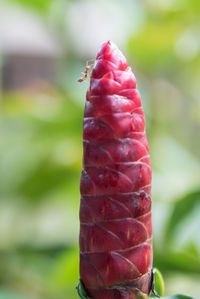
[(87, 68)]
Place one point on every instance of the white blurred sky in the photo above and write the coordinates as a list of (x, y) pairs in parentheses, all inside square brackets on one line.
[(87, 24), (22, 32), (90, 23)]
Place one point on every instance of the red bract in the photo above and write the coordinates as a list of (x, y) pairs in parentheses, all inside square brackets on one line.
[(115, 212)]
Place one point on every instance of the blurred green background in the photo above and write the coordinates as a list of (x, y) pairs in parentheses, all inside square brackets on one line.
[(43, 48)]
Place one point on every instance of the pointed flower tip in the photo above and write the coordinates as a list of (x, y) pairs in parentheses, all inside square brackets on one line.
[(110, 44), (109, 51), (107, 48)]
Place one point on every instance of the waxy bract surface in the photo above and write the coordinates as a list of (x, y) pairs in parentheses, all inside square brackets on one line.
[(115, 211)]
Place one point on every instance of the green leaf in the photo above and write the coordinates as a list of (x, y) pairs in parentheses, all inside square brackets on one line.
[(182, 208), (81, 291), (178, 296), (158, 282)]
